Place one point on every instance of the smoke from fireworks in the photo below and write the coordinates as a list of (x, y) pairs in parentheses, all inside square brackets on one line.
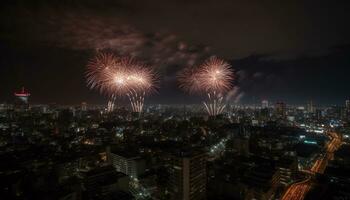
[(214, 77), (189, 80), (121, 77)]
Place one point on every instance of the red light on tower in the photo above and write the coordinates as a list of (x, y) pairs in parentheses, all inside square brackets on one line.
[(22, 98), (22, 93)]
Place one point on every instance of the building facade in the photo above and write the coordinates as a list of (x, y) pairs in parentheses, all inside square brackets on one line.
[(188, 176)]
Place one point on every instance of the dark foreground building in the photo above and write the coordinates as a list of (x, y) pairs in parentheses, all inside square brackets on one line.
[(188, 176)]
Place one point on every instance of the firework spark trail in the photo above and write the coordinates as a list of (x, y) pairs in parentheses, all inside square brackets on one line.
[(111, 104), (214, 77), (136, 100), (214, 105)]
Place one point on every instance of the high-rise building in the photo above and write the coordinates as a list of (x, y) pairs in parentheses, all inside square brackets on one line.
[(347, 110), (84, 106), (4, 107), (319, 114), (265, 104), (102, 181), (310, 107), (188, 175), (22, 100), (288, 169), (280, 109), (127, 163), (261, 182), (241, 145)]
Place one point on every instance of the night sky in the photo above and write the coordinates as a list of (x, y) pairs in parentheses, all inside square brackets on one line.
[(293, 51)]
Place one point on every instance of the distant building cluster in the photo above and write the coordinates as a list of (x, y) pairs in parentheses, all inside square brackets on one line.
[(172, 151)]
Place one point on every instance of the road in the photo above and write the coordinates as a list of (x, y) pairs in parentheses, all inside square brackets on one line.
[(299, 190)]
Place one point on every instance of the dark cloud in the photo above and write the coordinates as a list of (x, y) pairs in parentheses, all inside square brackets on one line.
[(319, 78), (234, 29), (239, 28)]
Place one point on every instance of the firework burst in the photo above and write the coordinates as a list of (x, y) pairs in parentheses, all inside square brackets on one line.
[(142, 81), (119, 77), (214, 77), (189, 80), (98, 71)]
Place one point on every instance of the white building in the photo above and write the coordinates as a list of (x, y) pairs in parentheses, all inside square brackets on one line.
[(130, 165)]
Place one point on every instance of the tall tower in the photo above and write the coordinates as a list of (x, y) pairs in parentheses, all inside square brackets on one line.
[(347, 109), (110, 106), (83, 106), (280, 109), (310, 107), (188, 176), (265, 104), (22, 99)]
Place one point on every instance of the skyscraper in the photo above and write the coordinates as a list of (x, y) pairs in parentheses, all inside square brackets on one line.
[(127, 163), (22, 100), (310, 107), (188, 175), (347, 109), (280, 109), (84, 106), (265, 104), (102, 181)]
